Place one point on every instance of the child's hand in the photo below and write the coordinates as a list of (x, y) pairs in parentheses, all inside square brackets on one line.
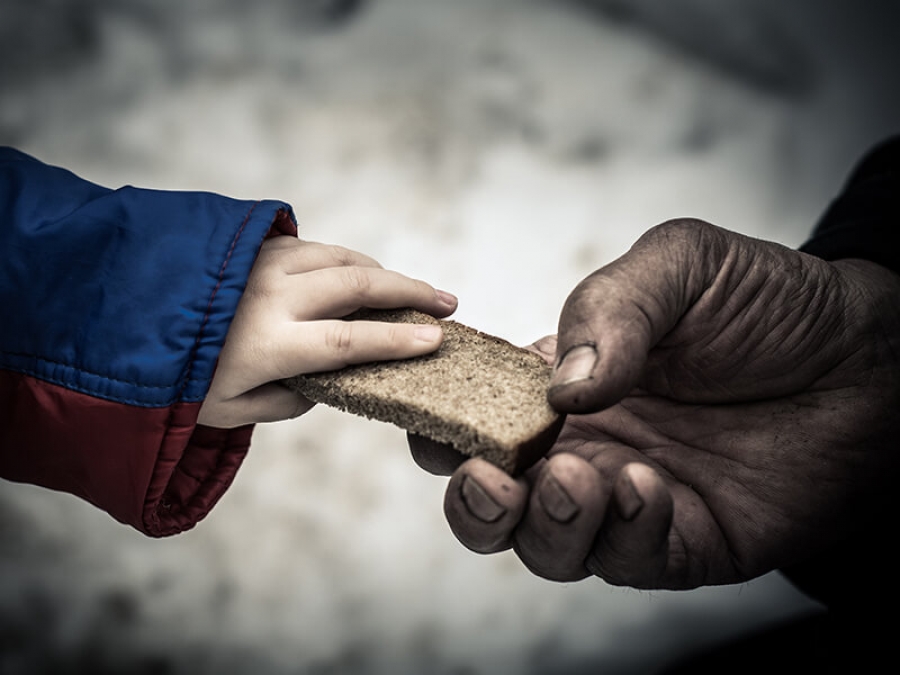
[(288, 323)]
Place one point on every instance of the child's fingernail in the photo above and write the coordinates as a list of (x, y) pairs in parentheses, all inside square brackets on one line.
[(576, 364), (547, 347), (479, 503), (427, 333), (446, 298)]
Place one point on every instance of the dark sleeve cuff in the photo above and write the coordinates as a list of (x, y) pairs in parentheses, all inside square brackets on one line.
[(864, 221)]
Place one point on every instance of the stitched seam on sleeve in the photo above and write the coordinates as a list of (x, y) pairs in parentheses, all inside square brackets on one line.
[(151, 518), (193, 356), (187, 379)]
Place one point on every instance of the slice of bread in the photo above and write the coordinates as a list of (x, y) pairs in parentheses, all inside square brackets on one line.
[(478, 393)]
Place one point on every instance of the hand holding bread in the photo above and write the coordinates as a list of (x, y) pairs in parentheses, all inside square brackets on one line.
[(478, 393), (288, 321)]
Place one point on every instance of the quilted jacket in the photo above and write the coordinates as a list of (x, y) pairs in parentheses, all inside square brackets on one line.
[(115, 305)]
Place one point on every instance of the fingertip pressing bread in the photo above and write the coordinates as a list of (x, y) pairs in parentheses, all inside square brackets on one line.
[(483, 395)]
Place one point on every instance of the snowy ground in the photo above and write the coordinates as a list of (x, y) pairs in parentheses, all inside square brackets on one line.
[(499, 149)]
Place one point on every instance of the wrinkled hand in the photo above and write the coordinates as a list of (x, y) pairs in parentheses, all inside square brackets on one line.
[(732, 410), (288, 323)]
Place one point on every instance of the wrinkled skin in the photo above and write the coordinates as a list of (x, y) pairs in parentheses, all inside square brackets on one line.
[(731, 410)]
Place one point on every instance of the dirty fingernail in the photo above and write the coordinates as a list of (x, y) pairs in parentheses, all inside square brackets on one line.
[(556, 501), (628, 499), (576, 365), (479, 503)]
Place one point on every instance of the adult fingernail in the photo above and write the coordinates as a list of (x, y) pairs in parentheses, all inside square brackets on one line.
[(576, 365), (628, 499), (556, 501), (479, 503), (428, 333)]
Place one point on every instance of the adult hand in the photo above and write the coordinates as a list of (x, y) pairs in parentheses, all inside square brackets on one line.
[(288, 323), (732, 409)]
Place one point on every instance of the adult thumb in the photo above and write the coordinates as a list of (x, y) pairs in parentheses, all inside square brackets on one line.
[(614, 317)]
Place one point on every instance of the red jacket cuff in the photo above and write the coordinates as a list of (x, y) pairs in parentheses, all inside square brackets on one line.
[(151, 468)]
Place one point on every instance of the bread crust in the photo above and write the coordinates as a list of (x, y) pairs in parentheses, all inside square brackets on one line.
[(478, 393)]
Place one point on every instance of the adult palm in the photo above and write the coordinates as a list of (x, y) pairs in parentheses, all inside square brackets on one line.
[(731, 411)]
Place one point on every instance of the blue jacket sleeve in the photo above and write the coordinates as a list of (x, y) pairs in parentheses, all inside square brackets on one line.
[(116, 303)]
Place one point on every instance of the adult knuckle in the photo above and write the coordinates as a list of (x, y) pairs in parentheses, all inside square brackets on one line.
[(543, 564), (604, 568), (682, 229), (589, 294), (685, 236)]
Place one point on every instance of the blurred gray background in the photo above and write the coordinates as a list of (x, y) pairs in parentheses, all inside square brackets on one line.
[(500, 149)]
